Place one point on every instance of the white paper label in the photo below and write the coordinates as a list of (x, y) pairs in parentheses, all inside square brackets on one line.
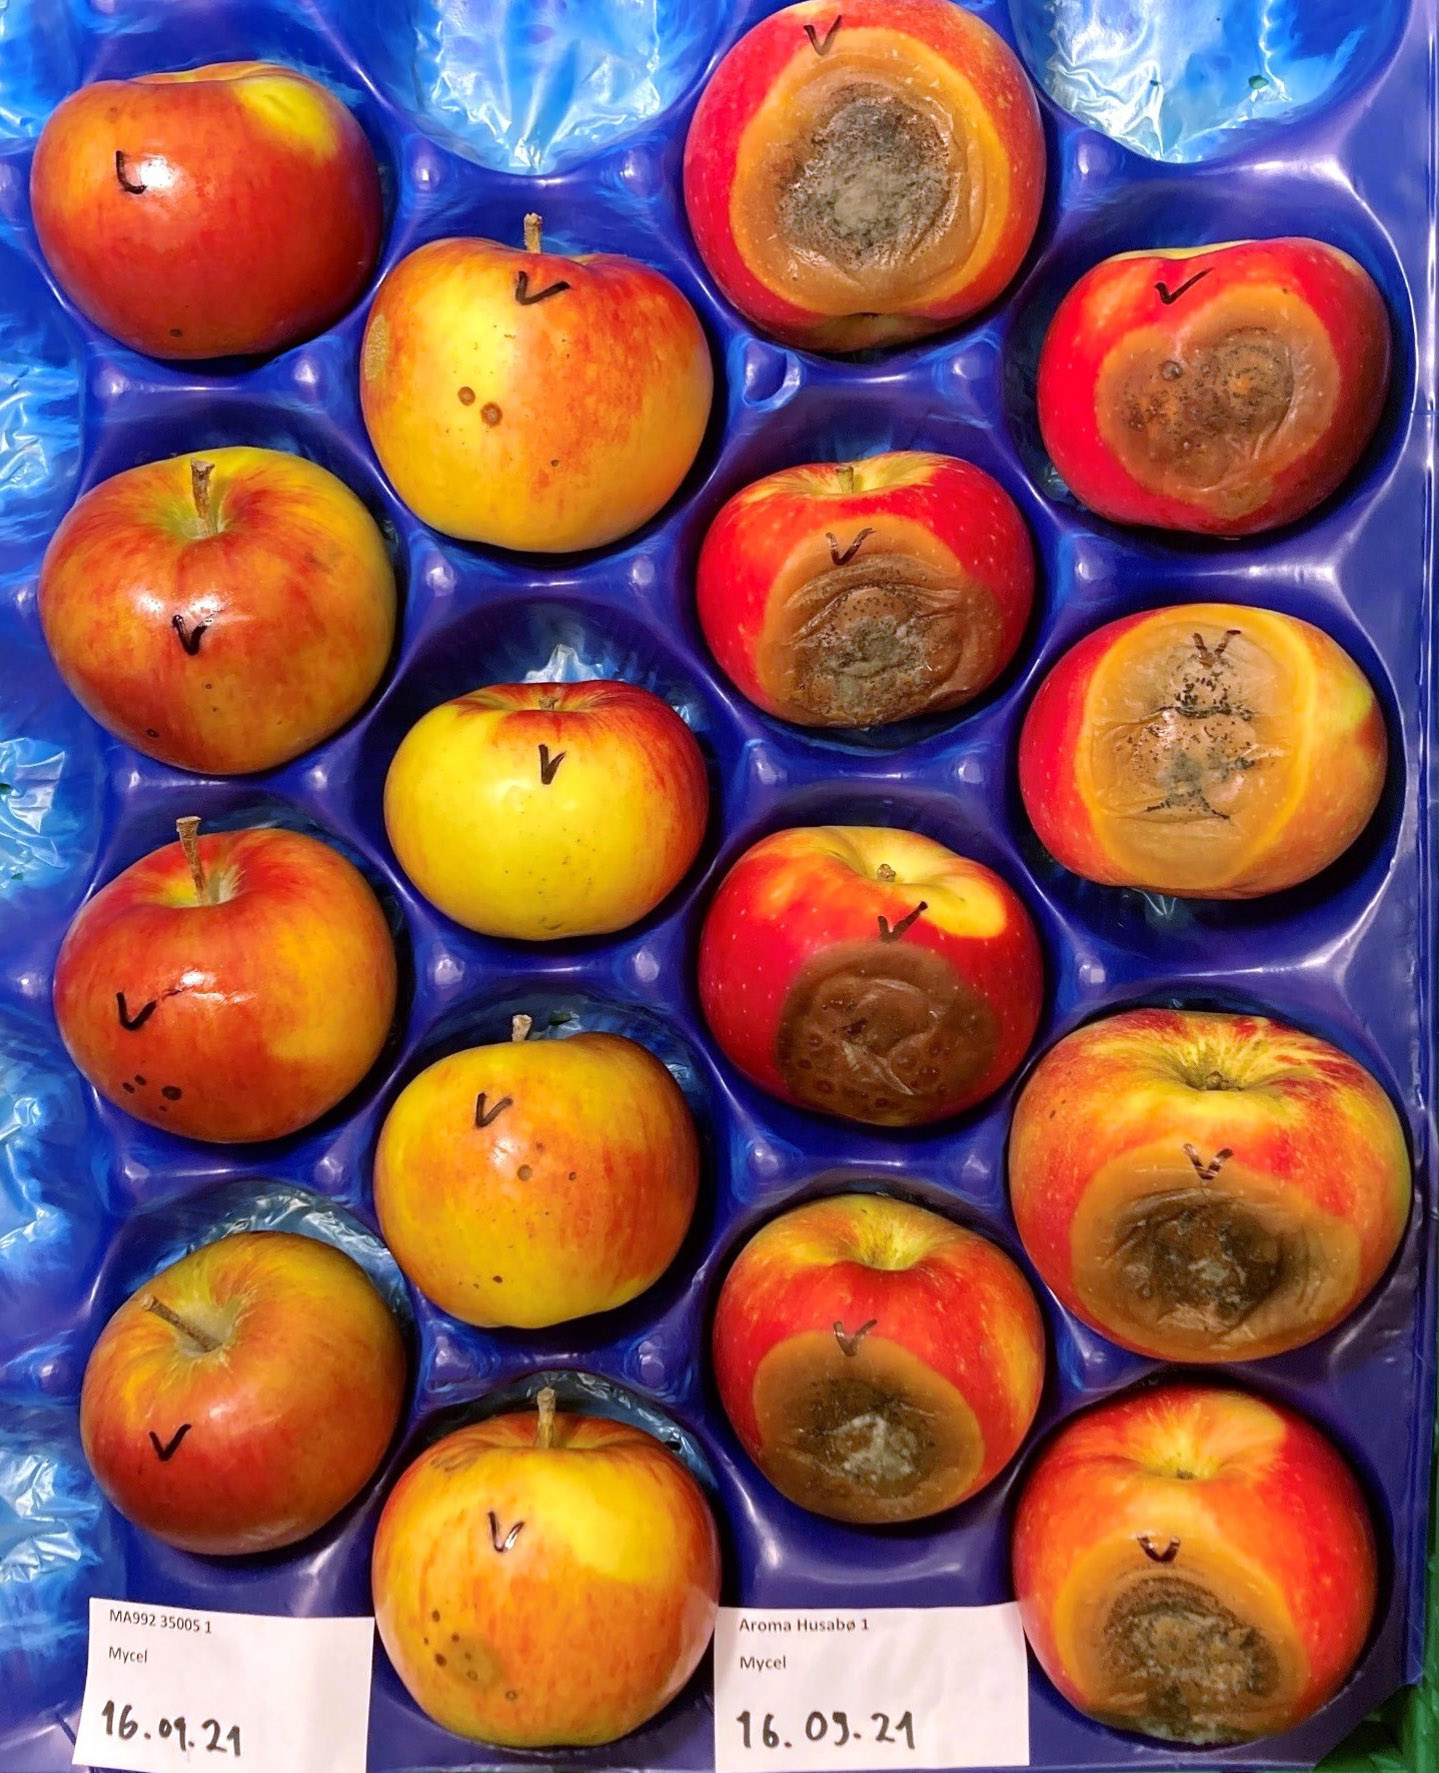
[(807, 1691), (167, 1689)]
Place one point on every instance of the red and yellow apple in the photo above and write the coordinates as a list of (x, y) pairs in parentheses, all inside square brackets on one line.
[(1203, 1187), (858, 593), (1206, 750), (1222, 389), (245, 1395), (878, 1362), (230, 987), (864, 173), (545, 1581), (1194, 1564), (222, 612), (869, 973), (539, 810), (535, 1181), (529, 400), (233, 208)]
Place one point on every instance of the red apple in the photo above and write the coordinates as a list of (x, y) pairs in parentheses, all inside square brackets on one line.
[(230, 987), (545, 1581), (869, 973), (530, 400), (865, 172), (223, 209), (245, 1395), (536, 1181), (1208, 750), (539, 810), (222, 612), (1206, 1187), (866, 592), (1194, 1564), (877, 1362), (1224, 389)]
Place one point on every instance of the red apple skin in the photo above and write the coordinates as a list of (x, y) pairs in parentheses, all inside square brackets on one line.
[(284, 1420), (923, 46), (824, 988), (954, 1339), (258, 224), (266, 564), (1337, 357), (905, 541), (269, 1006), (1269, 1523)]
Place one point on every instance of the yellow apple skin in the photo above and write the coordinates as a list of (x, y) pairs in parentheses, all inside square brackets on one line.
[(552, 414), (539, 810), (534, 1181), (593, 1618)]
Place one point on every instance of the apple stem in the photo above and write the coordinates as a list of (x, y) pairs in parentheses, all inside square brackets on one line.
[(533, 226), (190, 843), (885, 873), (845, 471), (545, 1430), (200, 473), (520, 1027), (202, 1339)]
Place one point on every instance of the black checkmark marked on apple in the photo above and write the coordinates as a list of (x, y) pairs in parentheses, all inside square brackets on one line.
[(1169, 297), (166, 1452), (888, 934), (548, 764), (843, 559), (507, 1542), (126, 184), (1167, 1556), (526, 299), (484, 1116), (820, 45), (133, 1024), (190, 639)]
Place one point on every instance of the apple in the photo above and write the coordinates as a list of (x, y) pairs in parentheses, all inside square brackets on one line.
[(866, 172), (877, 1362), (1203, 1187), (239, 1400), (1206, 750), (222, 613), (854, 594), (233, 208), (1221, 389), (1194, 1564), (529, 400), (869, 973), (539, 810), (545, 1581), (534, 1181), (231, 987)]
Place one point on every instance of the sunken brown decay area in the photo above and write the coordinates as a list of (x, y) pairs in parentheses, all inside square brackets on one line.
[(1198, 1262), (883, 1032), (862, 1444), (869, 184), (1195, 416), (1201, 1669)]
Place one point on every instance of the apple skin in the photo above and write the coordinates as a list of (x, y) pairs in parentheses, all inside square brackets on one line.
[(269, 1005), (572, 1198), (259, 219), (822, 986), (856, 594), (529, 400), (1247, 1511), (554, 1596), (939, 71), (253, 1420), (266, 564), (1301, 775), (541, 810), (1270, 1167), (856, 1308), (1283, 348)]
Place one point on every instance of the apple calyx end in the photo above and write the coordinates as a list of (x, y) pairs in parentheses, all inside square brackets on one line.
[(188, 829), (545, 1427), (203, 1340), (885, 873), (534, 228), (520, 1027), (200, 472)]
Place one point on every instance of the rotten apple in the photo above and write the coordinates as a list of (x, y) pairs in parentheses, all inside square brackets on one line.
[(233, 208), (222, 613), (1207, 750), (1222, 389), (878, 1362), (854, 594), (240, 1399), (1194, 1564), (230, 987), (545, 1581), (865, 172), (530, 400), (869, 973)]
